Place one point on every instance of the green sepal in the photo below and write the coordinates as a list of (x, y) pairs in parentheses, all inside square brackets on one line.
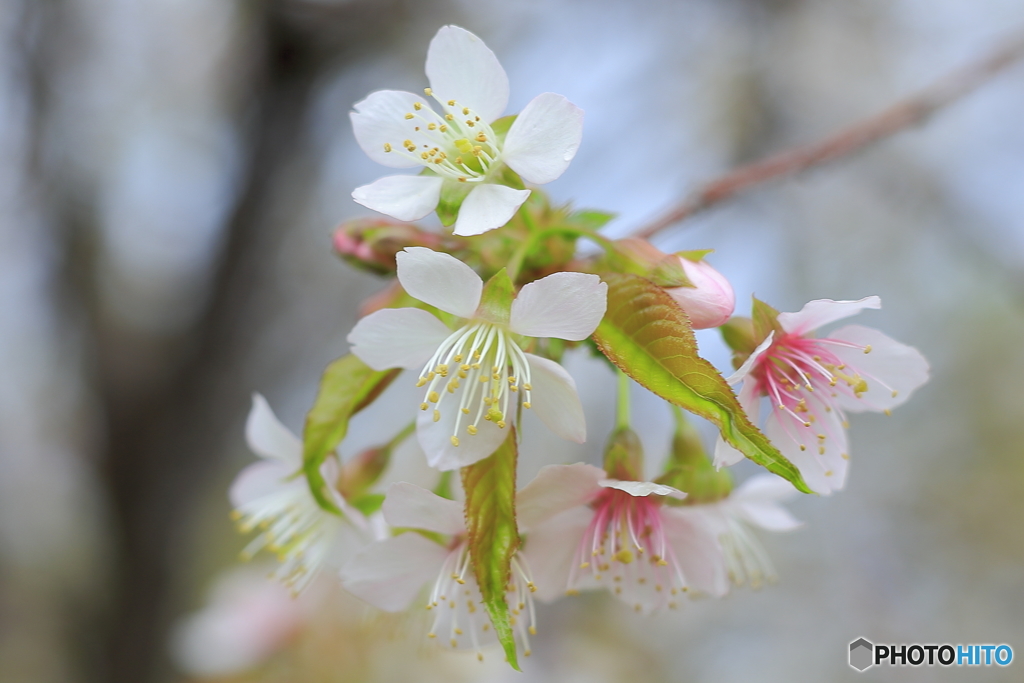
[(348, 385), (624, 455), (689, 469), (695, 255), (648, 337), (738, 334), (766, 321), (669, 272), (453, 193), (639, 257), (502, 125), (493, 537), (368, 503), (496, 299), (589, 219)]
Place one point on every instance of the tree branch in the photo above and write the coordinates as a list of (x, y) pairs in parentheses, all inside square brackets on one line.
[(903, 115)]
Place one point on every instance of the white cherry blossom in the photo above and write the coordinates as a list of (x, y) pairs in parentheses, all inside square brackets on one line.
[(475, 378), (456, 142), (273, 496), (812, 382)]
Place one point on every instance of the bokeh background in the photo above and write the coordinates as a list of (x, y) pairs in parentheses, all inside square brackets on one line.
[(170, 172)]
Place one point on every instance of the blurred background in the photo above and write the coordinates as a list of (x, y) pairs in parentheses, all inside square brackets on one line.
[(171, 171)]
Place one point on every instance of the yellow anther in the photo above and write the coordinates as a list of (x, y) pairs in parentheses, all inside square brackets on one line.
[(481, 138), (451, 103), (471, 428), (455, 643), (423, 406), (845, 456), (803, 447), (476, 118), (420, 382), (895, 393), (439, 160), (443, 128), (501, 424), (527, 653), (624, 556), (484, 378), (513, 388), (477, 150), (449, 117), (526, 404), (887, 412), (437, 415), (479, 656), (470, 123), (433, 397), (452, 386), (821, 450), (485, 627), (867, 349), (458, 160), (387, 146), (527, 386), (409, 116), (829, 473), (465, 110), (462, 179), (584, 565), (424, 155), (417, 106), (428, 92), (465, 411)]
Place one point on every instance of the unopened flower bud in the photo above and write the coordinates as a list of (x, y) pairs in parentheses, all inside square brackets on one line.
[(710, 301), (371, 243)]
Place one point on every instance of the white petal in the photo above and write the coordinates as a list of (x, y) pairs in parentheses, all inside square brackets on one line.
[(409, 506), (550, 549), (380, 120), (553, 397), (555, 489), (436, 437), (487, 207), (821, 312), (642, 488), (461, 68), (750, 401), (562, 305), (397, 338), (440, 280), (748, 364), (405, 197), (267, 437), (757, 501), (389, 574), (261, 479), (890, 367), (544, 138), (823, 472), (694, 541)]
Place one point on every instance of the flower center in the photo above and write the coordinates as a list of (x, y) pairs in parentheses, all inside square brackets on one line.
[(459, 604), (480, 367), (626, 541), (803, 376), (457, 144), (293, 527)]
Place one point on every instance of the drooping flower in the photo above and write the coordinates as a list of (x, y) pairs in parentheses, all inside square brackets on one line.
[(390, 574), (475, 378), (272, 496), (710, 301), (631, 541), (813, 382), (464, 156)]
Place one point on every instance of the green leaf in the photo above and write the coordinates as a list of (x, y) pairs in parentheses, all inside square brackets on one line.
[(348, 385), (591, 220), (490, 487), (649, 338)]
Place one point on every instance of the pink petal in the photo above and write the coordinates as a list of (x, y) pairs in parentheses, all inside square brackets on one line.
[(554, 399), (892, 370), (389, 574), (821, 312), (642, 488)]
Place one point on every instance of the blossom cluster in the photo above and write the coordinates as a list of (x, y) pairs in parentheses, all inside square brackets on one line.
[(480, 316)]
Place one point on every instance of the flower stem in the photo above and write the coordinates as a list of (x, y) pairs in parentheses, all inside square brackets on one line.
[(622, 404)]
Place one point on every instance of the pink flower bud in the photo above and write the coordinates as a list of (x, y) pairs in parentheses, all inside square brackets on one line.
[(710, 302)]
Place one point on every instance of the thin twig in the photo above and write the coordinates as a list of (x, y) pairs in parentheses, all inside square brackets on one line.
[(901, 116)]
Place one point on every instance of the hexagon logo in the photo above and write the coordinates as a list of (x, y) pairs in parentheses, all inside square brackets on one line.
[(861, 654)]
